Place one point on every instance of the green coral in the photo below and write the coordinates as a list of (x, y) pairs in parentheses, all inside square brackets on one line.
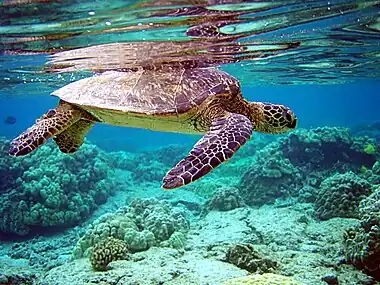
[(370, 149), (106, 251), (363, 169), (176, 240), (264, 279)]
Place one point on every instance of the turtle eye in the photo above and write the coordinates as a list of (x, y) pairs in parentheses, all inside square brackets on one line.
[(288, 117)]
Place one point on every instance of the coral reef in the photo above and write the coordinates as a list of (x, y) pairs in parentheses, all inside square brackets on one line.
[(10, 170), (144, 223), (106, 251), (264, 279), (270, 177), (339, 196), (308, 251), (224, 199), (302, 158), (362, 244), (326, 148), (51, 189), (372, 175), (245, 256)]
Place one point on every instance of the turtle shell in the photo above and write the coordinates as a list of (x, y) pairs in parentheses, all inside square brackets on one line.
[(173, 91)]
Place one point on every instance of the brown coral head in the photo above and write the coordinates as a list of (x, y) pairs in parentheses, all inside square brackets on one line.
[(106, 251)]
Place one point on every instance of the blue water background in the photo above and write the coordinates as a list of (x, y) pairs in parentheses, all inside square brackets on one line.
[(315, 105)]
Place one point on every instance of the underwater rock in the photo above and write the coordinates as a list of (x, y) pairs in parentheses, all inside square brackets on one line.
[(245, 256), (224, 199), (60, 192), (330, 279), (143, 224), (106, 251), (362, 244), (339, 196)]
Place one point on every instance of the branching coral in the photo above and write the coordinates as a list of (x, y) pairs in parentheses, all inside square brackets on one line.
[(106, 251)]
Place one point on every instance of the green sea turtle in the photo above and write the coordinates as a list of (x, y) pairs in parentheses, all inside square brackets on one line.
[(196, 101)]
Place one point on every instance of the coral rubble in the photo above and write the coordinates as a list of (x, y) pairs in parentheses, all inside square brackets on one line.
[(264, 279)]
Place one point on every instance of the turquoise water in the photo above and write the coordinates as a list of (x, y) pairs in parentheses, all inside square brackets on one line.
[(299, 207)]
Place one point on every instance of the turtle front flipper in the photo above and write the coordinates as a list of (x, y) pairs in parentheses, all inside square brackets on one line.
[(225, 136), (72, 138), (50, 124)]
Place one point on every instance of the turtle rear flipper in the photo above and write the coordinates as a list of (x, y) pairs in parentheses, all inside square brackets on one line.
[(226, 135), (72, 138), (50, 124)]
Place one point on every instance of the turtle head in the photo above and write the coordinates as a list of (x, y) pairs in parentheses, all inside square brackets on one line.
[(272, 118)]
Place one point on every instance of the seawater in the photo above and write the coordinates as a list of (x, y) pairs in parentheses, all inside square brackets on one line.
[(257, 215)]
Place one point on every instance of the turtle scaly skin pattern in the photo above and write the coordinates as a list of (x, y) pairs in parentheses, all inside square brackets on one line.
[(195, 101)]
